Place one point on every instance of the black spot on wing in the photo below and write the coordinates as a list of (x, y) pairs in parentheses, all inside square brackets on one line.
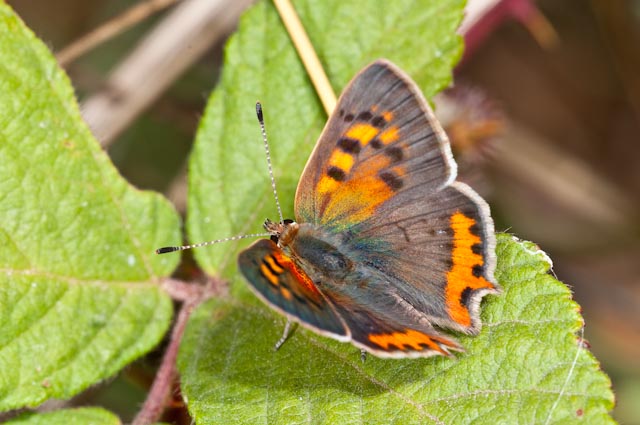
[(475, 228), (379, 121), (394, 182), (364, 116), (349, 145), (477, 270), (336, 173), (267, 265), (465, 296), (394, 153)]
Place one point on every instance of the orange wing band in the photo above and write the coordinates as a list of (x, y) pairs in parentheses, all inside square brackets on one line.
[(352, 189), (461, 277), (284, 262), (411, 340)]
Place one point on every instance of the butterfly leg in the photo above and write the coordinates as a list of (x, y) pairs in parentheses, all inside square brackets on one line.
[(288, 330)]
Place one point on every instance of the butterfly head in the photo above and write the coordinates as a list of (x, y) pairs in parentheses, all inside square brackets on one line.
[(281, 233)]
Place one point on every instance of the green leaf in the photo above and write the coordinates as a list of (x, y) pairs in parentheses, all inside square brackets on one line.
[(80, 416), (79, 293), (526, 366)]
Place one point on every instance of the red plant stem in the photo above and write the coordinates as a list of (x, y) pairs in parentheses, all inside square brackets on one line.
[(161, 388), (180, 290)]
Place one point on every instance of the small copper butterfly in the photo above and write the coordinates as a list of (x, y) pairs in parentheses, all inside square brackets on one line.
[(387, 247)]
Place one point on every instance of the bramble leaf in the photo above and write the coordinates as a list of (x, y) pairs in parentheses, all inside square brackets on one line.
[(79, 293)]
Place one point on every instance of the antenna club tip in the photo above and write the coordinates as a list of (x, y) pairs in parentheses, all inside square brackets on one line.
[(166, 249), (259, 111)]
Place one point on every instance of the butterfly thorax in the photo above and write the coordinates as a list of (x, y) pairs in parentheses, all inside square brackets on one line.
[(310, 247)]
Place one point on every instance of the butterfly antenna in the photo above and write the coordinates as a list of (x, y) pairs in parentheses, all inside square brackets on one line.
[(266, 149), (166, 249)]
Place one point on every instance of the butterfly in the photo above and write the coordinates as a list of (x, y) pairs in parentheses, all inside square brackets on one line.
[(387, 249)]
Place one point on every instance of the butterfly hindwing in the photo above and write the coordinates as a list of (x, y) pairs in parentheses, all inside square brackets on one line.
[(279, 281), (439, 259), (394, 333)]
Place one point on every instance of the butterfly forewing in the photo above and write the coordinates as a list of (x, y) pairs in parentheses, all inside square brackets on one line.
[(279, 281), (382, 138)]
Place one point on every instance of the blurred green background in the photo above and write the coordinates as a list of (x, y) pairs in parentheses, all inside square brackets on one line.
[(544, 118)]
